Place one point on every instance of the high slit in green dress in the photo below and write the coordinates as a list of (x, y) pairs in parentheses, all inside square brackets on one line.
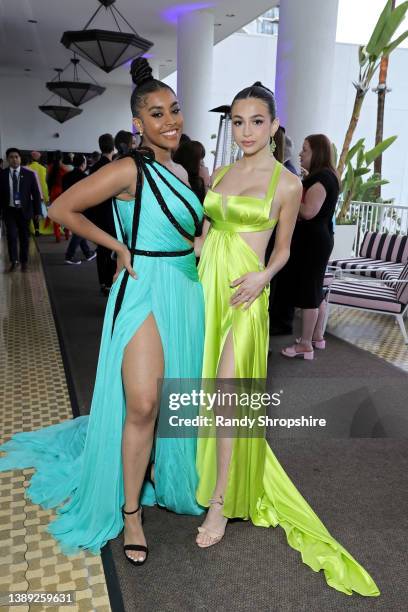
[(258, 487)]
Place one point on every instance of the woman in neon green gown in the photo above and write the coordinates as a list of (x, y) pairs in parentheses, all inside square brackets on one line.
[(247, 481)]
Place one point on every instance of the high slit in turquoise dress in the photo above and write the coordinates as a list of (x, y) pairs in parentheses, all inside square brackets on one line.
[(80, 460)]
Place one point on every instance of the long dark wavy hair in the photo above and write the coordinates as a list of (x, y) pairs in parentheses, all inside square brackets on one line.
[(189, 155)]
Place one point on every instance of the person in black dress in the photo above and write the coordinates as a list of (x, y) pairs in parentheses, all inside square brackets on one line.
[(312, 243), (77, 174), (102, 216), (281, 312)]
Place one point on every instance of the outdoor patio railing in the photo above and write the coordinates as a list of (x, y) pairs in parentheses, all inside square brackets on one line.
[(377, 217)]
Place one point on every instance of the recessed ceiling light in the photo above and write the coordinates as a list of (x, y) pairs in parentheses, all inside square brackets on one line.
[(230, 15), (32, 21), (27, 69)]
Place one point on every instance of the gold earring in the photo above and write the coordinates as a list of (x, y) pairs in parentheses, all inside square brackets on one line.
[(272, 146)]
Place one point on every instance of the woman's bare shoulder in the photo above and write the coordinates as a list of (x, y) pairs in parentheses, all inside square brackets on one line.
[(291, 180), (181, 173), (216, 172)]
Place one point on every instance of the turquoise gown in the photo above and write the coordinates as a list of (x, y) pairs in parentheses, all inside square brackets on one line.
[(78, 462)]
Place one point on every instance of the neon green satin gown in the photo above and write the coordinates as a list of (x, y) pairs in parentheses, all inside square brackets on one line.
[(258, 488)]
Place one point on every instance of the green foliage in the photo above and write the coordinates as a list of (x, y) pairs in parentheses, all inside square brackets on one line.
[(353, 185), (355, 149), (380, 45), (335, 154), (378, 150), (367, 190), (396, 43), (387, 24)]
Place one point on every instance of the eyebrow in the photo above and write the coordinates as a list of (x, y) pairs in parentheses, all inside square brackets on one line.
[(175, 103), (253, 116)]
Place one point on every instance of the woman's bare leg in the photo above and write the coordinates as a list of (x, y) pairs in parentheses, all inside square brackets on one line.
[(318, 330), (143, 366), (309, 319), (215, 521)]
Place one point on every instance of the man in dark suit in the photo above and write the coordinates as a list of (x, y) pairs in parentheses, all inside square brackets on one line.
[(20, 201), (102, 216), (77, 174)]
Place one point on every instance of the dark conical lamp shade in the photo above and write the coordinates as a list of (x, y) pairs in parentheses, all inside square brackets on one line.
[(60, 113), (104, 48), (75, 92)]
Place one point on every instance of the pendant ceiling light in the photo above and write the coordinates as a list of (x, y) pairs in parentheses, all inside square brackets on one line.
[(104, 48), (57, 111), (60, 113), (76, 92)]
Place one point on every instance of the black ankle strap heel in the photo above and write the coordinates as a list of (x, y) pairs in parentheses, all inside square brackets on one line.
[(135, 547)]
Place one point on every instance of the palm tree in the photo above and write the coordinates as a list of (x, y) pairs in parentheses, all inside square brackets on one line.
[(381, 91), (379, 46)]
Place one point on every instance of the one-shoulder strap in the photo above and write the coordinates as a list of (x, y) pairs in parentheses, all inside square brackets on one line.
[(220, 175), (270, 194)]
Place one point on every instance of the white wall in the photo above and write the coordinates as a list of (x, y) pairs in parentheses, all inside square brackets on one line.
[(236, 65), (23, 125), (238, 61), (242, 59)]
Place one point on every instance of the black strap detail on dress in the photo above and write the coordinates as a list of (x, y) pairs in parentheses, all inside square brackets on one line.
[(185, 202), (161, 253), (136, 216), (163, 204)]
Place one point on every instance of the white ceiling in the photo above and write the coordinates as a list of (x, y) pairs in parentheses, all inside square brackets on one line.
[(148, 17)]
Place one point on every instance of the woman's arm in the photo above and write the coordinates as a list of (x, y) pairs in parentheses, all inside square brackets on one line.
[(252, 284), (109, 181), (314, 199), (287, 221)]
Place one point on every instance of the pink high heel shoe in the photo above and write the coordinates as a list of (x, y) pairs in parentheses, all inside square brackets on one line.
[(291, 351), (319, 344)]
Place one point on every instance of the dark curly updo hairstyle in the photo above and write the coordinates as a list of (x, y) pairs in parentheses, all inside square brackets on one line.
[(259, 91), (142, 77)]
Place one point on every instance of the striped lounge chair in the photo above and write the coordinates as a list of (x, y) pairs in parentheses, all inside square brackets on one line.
[(385, 296), (382, 256)]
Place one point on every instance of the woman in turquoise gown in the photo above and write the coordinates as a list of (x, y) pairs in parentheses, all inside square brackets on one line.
[(241, 477), (90, 466)]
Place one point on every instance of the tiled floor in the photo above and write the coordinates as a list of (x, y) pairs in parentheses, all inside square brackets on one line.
[(379, 334), (34, 394)]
